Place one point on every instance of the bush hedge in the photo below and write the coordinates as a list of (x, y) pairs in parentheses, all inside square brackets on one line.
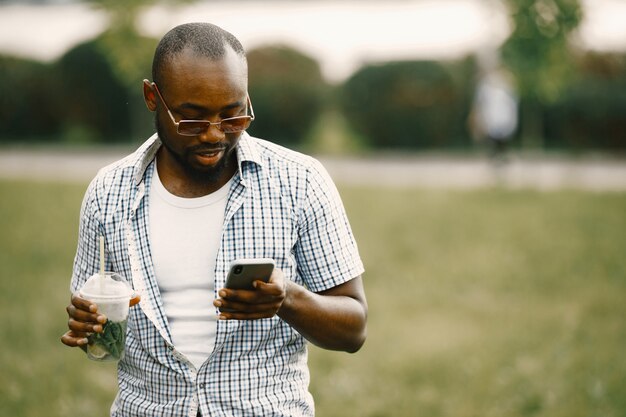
[(288, 94), (94, 99), (29, 102), (102, 84), (590, 115), (410, 105), (399, 105)]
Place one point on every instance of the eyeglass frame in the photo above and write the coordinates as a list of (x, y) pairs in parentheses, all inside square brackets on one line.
[(209, 123)]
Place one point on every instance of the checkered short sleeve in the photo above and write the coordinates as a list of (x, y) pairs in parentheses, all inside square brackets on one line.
[(326, 253)]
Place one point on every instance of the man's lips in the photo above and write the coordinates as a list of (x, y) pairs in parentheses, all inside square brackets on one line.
[(209, 156), (209, 151), (217, 147)]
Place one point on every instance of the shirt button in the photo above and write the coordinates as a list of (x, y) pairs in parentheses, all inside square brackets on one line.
[(202, 385)]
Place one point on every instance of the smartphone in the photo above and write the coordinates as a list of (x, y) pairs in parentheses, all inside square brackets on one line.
[(243, 272)]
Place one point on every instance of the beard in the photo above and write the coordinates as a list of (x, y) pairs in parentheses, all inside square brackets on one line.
[(197, 173)]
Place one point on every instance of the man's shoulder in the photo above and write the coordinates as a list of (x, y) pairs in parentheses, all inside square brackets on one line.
[(277, 157), (124, 171), (296, 174)]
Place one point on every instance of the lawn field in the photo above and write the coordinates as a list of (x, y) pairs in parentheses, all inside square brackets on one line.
[(482, 303)]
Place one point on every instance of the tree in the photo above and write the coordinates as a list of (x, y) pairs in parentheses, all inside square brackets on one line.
[(590, 115), (129, 53), (96, 100), (121, 39), (539, 55), (30, 100), (409, 104), (288, 94)]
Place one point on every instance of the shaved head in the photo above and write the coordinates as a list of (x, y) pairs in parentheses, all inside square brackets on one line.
[(204, 39)]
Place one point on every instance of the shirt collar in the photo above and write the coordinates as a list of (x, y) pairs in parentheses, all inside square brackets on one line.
[(247, 151), (144, 156)]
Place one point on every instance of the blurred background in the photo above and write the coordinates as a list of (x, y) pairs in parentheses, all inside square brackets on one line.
[(355, 76), (479, 148)]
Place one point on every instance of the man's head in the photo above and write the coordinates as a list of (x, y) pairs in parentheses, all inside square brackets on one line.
[(199, 73), (204, 39)]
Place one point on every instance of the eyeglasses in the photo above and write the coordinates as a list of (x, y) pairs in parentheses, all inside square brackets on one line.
[(196, 127)]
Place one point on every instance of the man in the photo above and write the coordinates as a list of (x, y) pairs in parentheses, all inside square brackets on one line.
[(494, 113), (194, 197)]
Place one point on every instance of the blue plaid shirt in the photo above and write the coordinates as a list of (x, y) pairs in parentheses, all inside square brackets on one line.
[(282, 205)]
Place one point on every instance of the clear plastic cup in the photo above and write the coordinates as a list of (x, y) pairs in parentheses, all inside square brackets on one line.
[(112, 295)]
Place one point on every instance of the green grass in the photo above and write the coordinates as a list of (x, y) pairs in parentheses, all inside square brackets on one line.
[(482, 303)]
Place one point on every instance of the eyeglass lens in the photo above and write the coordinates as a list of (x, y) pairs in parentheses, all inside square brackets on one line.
[(232, 125)]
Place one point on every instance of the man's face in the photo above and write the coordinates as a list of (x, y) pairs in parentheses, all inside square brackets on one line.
[(197, 88)]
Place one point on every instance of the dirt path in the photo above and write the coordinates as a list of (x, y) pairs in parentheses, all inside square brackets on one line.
[(541, 173)]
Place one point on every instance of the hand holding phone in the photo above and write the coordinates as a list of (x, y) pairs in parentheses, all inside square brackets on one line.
[(240, 300), (243, 272)]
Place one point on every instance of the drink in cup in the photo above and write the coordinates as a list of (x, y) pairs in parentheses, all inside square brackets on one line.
[(110, 292)]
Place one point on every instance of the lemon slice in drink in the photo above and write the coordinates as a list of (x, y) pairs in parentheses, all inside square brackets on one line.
[(96, 351)]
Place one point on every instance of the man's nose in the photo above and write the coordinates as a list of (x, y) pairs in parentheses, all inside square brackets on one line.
[(212, 134)]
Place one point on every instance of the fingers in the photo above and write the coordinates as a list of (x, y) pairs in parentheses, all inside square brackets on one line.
[(231, 306), (263, 302), (79, 327), (83, 319), (84, 316), (72, 339), (277, 279), (251, 297), (82, 304), (262, 291), (239, 315), (272, 288)]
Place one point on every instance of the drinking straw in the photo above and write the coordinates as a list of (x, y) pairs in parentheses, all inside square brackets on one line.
[(101, 264)]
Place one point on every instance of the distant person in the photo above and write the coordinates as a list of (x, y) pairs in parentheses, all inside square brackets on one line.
[(494, 115), (195, 196)]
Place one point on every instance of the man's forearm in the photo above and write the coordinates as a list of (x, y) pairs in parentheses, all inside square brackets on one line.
[(335, 319)]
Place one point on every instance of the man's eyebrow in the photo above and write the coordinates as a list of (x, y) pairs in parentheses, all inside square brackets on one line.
[(200, 108)]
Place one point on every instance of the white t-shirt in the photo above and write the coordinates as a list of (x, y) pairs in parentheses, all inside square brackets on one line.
[(185, 236)]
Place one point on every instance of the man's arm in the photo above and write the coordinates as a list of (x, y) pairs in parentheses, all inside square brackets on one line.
[(335, 316), (332, 319)]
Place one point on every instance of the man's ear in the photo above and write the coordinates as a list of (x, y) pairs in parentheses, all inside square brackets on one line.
[(149, 95)]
